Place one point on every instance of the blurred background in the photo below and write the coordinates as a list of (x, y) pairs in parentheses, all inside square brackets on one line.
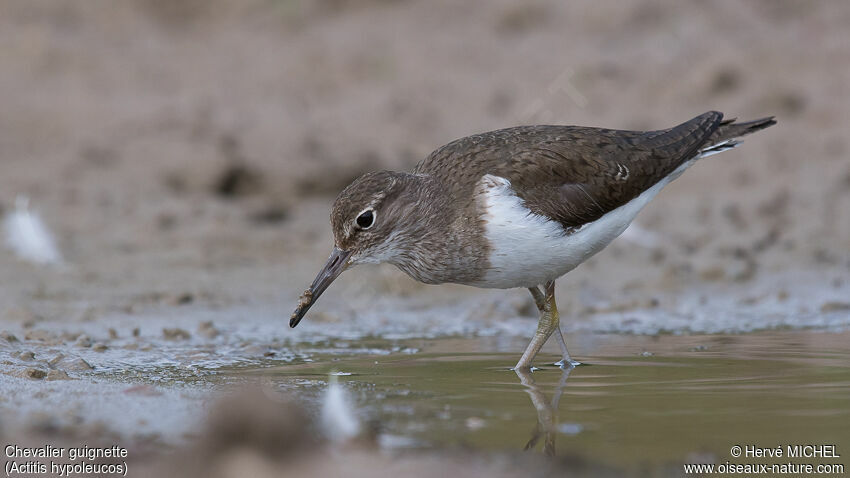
[(185, 155), (196, 146)]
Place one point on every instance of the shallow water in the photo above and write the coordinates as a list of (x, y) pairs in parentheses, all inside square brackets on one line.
[(642, 404), (637, 402)]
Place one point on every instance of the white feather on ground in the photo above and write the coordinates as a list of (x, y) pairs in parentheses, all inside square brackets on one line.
[(339, 420), (28, 237)]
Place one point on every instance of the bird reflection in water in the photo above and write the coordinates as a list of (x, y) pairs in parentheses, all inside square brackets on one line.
[(547, 411)]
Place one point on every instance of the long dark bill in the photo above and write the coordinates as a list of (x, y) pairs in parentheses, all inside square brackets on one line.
[(337, 263)]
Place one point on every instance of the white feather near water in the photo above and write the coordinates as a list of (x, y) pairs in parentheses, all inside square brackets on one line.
[(28, 237), (339, 420)]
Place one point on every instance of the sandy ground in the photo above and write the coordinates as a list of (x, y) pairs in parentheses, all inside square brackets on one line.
[(186, 155)]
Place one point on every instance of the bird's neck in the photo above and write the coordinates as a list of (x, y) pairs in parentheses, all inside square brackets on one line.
[(442, 235)]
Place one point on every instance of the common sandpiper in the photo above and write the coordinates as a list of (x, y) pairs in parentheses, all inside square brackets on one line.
[(517, 207)]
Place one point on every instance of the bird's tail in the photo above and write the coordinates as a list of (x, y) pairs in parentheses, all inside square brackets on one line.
[(729, 129), (727, 134)]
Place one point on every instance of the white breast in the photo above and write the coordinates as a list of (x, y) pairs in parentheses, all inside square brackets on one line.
[(528, 249)]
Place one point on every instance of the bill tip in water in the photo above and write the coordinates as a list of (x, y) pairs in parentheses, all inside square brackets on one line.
[(304, 303)]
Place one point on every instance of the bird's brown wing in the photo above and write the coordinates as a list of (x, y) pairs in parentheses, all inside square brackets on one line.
[(572, 174)]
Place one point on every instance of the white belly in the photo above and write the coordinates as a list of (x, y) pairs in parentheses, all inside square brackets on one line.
[(528, 249)]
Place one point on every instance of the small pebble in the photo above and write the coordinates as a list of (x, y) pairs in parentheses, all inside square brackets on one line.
[(72, 364), (69, 336), (175, 334), (99, 347), (183, 299), (58, 358), (8, 337), (39, 335), (35, 373), (57, 375), (83, 341)]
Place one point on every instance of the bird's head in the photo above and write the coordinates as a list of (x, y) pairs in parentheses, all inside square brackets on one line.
[(372, 220)]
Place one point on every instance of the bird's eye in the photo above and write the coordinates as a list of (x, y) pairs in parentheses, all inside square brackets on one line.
[(366, 219)]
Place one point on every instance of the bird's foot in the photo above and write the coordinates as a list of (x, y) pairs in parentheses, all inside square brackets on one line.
[(567, 363), (528, 369)]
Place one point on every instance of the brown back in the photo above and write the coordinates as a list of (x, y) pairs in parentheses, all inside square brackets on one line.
[(569, 173)]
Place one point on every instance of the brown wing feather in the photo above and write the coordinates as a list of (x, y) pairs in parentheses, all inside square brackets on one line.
[(572, 174)]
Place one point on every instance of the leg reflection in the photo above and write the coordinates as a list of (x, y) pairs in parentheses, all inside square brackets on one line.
[(547, 412)]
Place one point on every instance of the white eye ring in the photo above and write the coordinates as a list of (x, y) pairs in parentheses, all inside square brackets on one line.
[(367, 216)]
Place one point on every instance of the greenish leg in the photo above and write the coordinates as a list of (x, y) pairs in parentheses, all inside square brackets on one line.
[(549, 323), (566, 361), (539, 297)]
